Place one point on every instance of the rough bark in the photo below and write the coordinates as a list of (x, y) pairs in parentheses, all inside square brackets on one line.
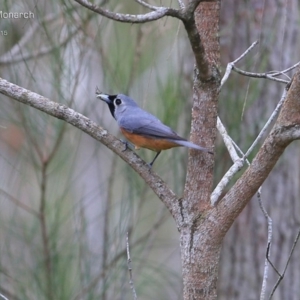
[(199, 252)]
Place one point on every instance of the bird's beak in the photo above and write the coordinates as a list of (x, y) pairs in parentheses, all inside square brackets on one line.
[(104, 97)]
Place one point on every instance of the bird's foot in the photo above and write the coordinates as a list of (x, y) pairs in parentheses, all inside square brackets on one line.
[(150, 166), (126, 145)]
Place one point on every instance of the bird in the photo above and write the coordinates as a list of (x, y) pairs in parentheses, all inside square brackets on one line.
[(143, 129)]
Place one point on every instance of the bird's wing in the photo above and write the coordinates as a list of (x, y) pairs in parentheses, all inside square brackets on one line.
[(148, 125)]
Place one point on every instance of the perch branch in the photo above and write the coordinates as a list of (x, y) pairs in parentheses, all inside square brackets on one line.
[(81, 122)]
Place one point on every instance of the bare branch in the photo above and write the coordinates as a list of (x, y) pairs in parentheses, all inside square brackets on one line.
[(268, 75), (237, 166), (270, 262), (158, 13), (227, 140), (3, 297), (76, 119), (266, 269), (286, 266), (152, 7), (286, 70), (231, 147), (259, 75), (130, 269), (246, 52), (284, 132), (268, 123), (203, 70), (231, 64)]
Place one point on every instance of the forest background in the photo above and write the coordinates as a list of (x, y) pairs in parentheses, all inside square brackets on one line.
[(67, 201)]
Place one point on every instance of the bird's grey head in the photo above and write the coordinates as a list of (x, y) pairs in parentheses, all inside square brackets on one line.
[(117, 103)]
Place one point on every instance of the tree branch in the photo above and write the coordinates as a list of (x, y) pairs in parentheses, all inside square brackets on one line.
[(185, 14), (130, 268), (270, 232), (239, 162), (81, 122), (145, 4), (204, 69), (285, 130), (157, 13), (266, 75), (268, 123), (281, 276), (227, 140), (231, 64)]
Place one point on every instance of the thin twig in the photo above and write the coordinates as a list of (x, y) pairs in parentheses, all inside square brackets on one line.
[(286, 70), (268, 123), (19, 203), (158, 13), (286, 266), (232, 146), (259, 75), (245, 53), (237, 166), (143, 239), (231, 64), (267, 75), (270, 262), (266, 269), (3, 297), (152, 7), (227, 140), (130, 269)]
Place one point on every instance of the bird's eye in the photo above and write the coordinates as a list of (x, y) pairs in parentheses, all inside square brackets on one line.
[(118, 101)]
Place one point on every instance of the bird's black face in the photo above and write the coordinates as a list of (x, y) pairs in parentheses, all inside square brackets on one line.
[(111, 105), (114, 102), (109, 99)]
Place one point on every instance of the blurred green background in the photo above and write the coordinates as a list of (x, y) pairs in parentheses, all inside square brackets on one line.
[(67, 201)]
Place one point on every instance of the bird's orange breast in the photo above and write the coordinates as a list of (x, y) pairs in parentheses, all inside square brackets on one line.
[(150, 143)]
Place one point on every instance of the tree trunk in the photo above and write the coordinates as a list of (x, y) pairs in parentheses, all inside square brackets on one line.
[(199, 252)]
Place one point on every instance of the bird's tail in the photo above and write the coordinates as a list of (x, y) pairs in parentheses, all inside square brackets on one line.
[(192, 145)]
